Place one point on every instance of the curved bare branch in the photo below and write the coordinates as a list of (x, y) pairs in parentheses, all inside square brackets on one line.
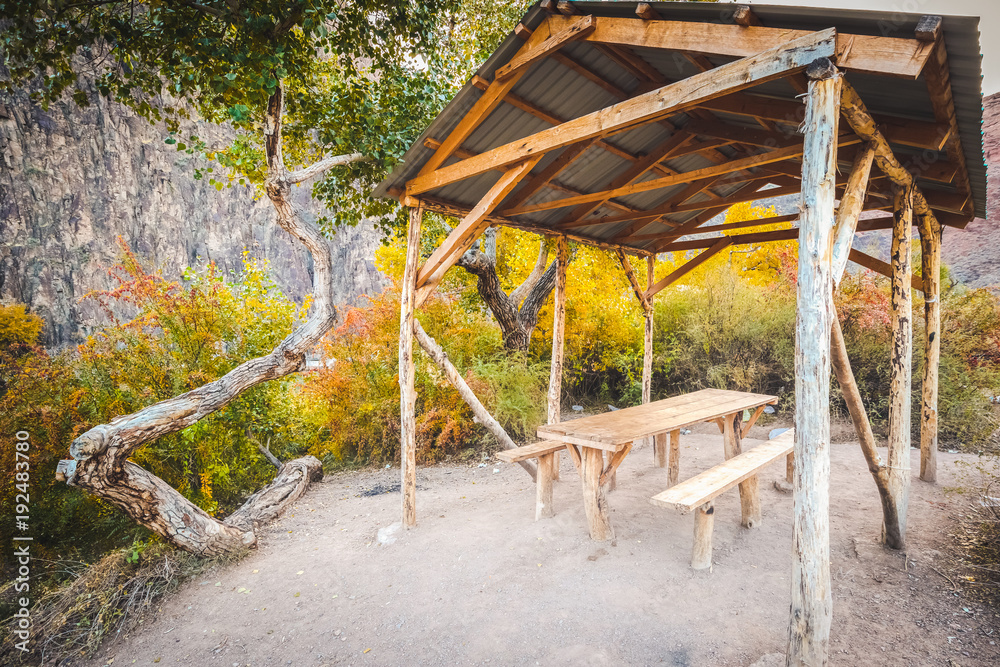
[(101, 454), (324, 165), (522, 290)]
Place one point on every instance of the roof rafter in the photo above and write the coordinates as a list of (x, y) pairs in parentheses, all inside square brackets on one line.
[(775, 63), (887, 56), (667, 181)]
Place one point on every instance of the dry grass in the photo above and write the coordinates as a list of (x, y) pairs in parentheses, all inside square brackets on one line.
[(977, 544), (101, 601)]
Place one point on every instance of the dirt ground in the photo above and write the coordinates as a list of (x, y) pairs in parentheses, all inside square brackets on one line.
[(479, 582)]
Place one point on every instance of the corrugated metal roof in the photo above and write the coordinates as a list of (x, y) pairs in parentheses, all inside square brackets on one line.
[(565, 94)]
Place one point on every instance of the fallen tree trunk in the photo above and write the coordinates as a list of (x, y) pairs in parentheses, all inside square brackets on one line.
[(100, 456), (439, 356)]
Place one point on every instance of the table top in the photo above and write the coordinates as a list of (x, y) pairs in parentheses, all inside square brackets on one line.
[(612, 430)]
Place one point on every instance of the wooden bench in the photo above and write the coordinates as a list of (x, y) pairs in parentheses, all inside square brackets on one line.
[(545, 451), (698, 492)]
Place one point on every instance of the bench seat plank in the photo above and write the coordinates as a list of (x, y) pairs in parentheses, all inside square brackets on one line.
[(534, 450), (702, 488)]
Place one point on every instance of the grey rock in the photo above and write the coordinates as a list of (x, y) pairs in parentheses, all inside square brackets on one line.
[(73, 180)]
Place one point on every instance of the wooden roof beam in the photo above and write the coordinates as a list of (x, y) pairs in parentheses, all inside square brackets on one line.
[(886, 56), (632, 174), (742, 224), (633, 281), (854, 111), (577, 29), (900, 131), (773, 236), (645, 11), (468, 230), (719, 129), (540, 113), (484, 105), (884, 268), (717, 246), (766, 66), (545, 177), (674, 207), (458, 211), (938, 78), (757, 160)]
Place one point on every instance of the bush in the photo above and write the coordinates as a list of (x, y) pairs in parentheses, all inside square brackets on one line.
[(176, 338), (352, 402)]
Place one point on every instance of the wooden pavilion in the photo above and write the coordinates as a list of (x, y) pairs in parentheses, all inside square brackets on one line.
[(629, 126)]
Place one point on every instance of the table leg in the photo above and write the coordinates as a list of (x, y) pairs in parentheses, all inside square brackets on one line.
[(555, 466), (595, 500), (660, 449), (543, 486), (673, 472), (749, 497), (613, 479)]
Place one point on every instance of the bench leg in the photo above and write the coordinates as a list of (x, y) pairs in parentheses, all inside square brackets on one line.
[(704, 521), (749, 496), (595, 500), (555, 466), (543, 486), (790, 467), (660, 450), (674, 471)]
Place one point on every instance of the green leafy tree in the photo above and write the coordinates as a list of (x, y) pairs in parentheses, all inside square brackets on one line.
[(338, 86)]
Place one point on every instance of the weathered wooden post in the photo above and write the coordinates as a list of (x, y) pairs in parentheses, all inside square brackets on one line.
[(901, 380), (749, 496), (558, 339), (930, 244), (647, 358), (407, 393), (812, 607)]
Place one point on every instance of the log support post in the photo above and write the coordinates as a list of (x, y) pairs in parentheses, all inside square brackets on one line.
[(595, 501), (811, 604), (558, 339), (900, 382), (704, 522), (660, 450), (930, 245), (543, 486), (647, 345), (749, 496), (673, 472), (440, 357), (407, 392), (863, 428)]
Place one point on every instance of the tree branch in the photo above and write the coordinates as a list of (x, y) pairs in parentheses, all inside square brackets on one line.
[(503, 308), (101, 454), (539, 294), (517, 296), (323, 165)]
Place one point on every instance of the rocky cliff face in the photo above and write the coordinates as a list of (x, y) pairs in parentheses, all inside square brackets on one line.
[(973, 254), (72, 181)]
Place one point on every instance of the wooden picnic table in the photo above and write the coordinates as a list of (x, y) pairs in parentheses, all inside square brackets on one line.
[(588, 438)]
